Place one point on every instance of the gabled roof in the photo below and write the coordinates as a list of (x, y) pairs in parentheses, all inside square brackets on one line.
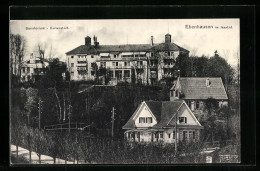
[(162, 110), (195, 88)]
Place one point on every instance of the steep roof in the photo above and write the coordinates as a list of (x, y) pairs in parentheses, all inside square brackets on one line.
[(90, 49), (168, 47), (162, 110), (195, 88)]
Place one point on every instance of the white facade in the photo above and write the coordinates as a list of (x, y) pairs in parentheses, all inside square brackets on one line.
[(187, 127), (33, 66)]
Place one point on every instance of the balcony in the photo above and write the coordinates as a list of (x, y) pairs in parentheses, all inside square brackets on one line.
[(168, 57), (153, 75), (167, 76), (154, 58), (153, 66), (81, 68), (168, 66), (139, 67), (81, 64)]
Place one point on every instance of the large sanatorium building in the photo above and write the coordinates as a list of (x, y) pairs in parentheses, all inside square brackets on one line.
[(144, 63)]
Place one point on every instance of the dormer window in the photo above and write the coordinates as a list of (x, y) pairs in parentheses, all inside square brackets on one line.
[(171, 93), (176, 93), (182, 120), (208, 82)]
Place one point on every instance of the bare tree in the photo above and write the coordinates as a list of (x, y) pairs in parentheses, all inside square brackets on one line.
[(39, 143), (194, 51), (31, 102), (17, 49)]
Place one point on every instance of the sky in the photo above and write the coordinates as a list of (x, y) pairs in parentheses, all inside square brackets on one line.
[(113, 32)]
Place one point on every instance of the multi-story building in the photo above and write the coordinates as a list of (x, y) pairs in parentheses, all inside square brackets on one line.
[(33, 68), (144, 63)]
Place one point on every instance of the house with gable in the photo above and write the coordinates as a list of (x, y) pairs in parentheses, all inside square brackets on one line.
[(196, 90), (155, 121)]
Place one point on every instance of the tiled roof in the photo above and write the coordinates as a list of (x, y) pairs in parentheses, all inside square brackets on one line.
[(168, 109), (168, 47), (195, 88), (162, 110), (86, 49)]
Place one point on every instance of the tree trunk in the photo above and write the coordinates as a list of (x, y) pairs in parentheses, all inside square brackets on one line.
[(58, 100), (64, 106), (17, 151), (39, 158), (30, 156)]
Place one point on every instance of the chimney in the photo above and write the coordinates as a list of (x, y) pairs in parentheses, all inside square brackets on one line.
[(168, 38), (151, 40), (87, 41), (207, 82), (95, 41)]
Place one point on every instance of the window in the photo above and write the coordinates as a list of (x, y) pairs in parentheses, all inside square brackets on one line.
[(169, 135), (92, 56), (152, 54), (116, 63), (184, 135), (149, 120), (189, 104), (168, 53), (141, 120), (161, 134), (114, 56), (72, 56), (197, 104), (193, 134), (172, 53), (182, 120), (176, 93), (103, 64), (173, 135), (171, 93), (190, 135), (72, 64), (92, 65), (92, 73), (127, 73)]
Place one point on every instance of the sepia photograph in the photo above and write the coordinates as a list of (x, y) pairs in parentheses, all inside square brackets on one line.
[(125, 91)]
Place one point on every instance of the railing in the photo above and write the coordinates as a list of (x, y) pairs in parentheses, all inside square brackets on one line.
[(167, 76), (168, 57), (168, 66), (153, 76), (66, 126), (153, 66)]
